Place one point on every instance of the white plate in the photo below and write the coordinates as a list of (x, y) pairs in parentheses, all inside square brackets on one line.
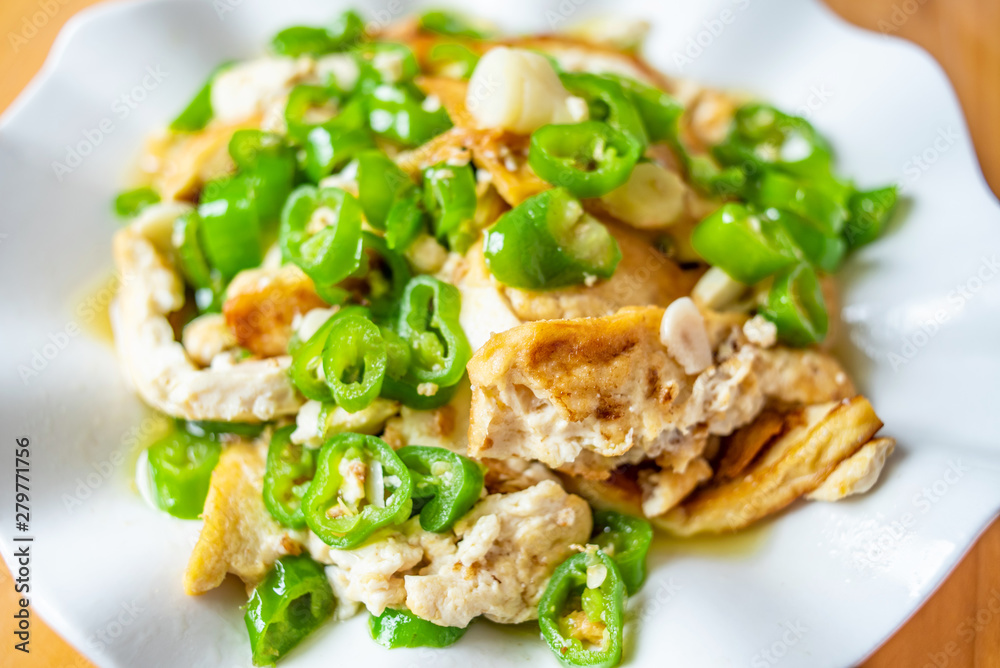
[(821, 586)]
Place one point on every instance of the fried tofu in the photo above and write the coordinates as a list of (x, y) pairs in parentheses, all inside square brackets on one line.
[(261, 305), (239, 535), (554, 389), (816, 440), (158, 366)]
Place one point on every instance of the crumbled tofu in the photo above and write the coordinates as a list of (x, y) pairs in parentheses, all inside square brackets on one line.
[(682, 331), (207, 336), (760, 331), (247, 88)]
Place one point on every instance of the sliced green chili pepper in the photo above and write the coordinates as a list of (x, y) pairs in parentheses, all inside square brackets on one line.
[(608, 102), (869, 212), (795, 305), (455, 60), (265, 159), (824, 250), (215, 428), (302, 40), (659, 111), (180, 470), (199, 111), (385, 63), (405, 221), (230, 225), (307, 359), (354, 361), (332, 144), (814, 204), (570, 613), (764, 137), (428, 320), (290, 469), (449, 23), (401, 114), (400, 385), (130, 203), (449, 482), (191, 258), (626, 539), (347, 500), (401, 628), (321, 233), (381, 285), (347, 30), (589, 159), (380, 184), (450, 200), (548, 242), (290, 603), (746, 246), (308, 107)]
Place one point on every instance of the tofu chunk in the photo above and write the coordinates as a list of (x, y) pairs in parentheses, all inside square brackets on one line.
[(158, 366), (554, 389), (239, 535)]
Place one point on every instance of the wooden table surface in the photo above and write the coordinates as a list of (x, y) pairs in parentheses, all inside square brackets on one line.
[(963, 36)]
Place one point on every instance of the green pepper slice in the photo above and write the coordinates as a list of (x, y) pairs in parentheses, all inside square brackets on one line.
[(384, 277), (399, 383), (198, 112), (626, 539), (589, 159), (765, 137), (449, 484), (548, 242), (345, 31), (180, 470), (307, 360), (454, 60), (569, 612), (401, 628), (342, 509), (401, 114), (405, 221), (428, 321), (812, 203), (209, 287), (230, 225), (795, 305), (354, 361), (608, 102), (290, 603), (215, 429), (130, 203), (331, 145), (450, 201), (824, 250), (321, 233), (290, 469), (268, 163), (382, 186), (746, 246), (659, 111), (385, 63), (443, 22), (869, 212), (308, 107)]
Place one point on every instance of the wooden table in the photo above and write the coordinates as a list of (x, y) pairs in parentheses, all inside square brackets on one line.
[(963, 36)]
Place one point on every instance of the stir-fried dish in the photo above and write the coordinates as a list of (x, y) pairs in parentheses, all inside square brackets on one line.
[(449, 323)]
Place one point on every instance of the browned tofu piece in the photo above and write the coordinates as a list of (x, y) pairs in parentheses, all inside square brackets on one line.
[(239, 535), (262, 303)]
